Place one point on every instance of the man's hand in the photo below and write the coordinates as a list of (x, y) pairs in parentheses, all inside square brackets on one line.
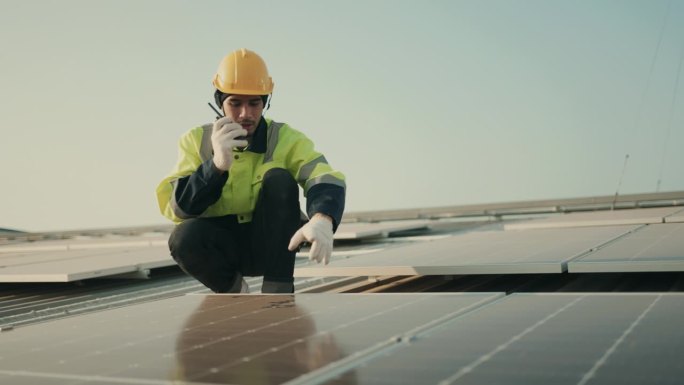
[(224, 139), (318, 231)]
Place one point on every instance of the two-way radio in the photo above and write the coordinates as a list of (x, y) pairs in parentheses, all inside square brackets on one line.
[(219, 116)]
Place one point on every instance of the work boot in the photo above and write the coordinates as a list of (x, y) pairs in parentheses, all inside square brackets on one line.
[(244, 288), (239, 285), (277, 287)]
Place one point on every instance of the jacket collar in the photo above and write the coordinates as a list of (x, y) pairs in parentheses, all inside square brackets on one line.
[(258, 144)]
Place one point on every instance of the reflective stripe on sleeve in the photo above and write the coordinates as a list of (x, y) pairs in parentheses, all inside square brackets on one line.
[(325, 178), (206, 151), (306, 170), (174, 205)]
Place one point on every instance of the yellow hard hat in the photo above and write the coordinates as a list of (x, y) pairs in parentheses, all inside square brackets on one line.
[(243, 72)]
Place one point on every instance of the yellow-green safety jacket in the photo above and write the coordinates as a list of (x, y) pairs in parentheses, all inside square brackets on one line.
[(196, 188)]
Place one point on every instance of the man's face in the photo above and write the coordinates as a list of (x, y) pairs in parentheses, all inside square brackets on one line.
[(245, 110)]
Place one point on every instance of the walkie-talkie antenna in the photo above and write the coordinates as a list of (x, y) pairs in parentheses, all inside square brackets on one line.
[(218, 113)]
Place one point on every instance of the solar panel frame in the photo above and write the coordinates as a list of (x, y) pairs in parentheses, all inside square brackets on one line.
[(18, 378), (81, 244), (482, 252), (651, 248), (77, 265), (676, 217), (598, 218), (361, 230), (344, 253), (38, 257)]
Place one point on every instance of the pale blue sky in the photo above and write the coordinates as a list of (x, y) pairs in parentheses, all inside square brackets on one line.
[(419, 103)]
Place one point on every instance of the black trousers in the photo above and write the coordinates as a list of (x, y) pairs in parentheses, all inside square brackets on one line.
[(219, 251)]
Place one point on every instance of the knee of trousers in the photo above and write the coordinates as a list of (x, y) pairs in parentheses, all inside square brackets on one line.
[(278, 185), (186, 240)]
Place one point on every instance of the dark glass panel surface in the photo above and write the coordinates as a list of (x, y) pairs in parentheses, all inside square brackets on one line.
[(220, 338), (543, 339)]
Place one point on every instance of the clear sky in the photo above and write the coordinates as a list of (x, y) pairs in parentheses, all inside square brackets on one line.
[(419, 103)]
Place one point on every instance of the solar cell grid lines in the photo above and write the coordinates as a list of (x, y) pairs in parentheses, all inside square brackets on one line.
[(598, 218), (482, 252), (221, 338), (541, 339), (658, 247)]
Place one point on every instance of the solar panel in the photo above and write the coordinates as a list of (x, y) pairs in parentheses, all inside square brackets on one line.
[(485, 252), (372, 230), (598, 218), (37, 257), (83, 244), (15, 380), (537, 339), (73, 265), (342, 253), (221, 338), (651, 248), (82, 258), (676, 217)]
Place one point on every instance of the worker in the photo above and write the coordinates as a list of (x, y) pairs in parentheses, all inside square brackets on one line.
[(234, 190)]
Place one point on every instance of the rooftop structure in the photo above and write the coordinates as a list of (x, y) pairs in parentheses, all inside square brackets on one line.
[(576, 291)]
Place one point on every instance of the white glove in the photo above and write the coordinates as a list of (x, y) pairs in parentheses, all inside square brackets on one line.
[(319, 232), (224, 139)]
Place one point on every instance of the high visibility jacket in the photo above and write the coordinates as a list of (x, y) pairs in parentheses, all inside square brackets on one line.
[(196, 189)]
